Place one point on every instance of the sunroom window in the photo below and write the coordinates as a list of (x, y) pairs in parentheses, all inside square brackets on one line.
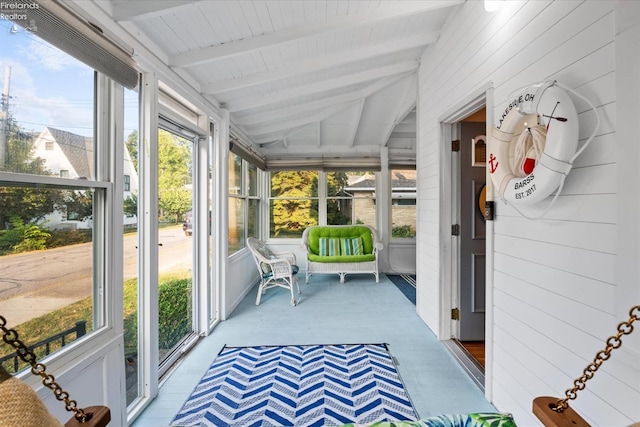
[(50, 222), (244, 202)]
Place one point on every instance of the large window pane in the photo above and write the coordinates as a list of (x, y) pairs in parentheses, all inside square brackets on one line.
[(353, 198), (244, 202), (289, 218), (254, 218), (47, 267), (175, 264), (236, 224), (48, 229), (403, 203), (294, 203), (252, 172), (339, 201), (235, 174), (130, 249)]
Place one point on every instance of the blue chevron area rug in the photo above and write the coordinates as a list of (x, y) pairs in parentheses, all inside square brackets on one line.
[(309, 385)]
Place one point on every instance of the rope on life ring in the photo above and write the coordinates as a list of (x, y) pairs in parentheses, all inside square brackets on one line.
[(533, 149)]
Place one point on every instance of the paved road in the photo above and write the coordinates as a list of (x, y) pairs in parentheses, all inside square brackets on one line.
[(35, 283)]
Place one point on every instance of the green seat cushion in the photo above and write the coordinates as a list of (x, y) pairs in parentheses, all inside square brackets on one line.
[(342, 258)]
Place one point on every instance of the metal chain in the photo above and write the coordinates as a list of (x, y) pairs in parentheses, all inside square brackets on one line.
[(613, 342), (10, 336)]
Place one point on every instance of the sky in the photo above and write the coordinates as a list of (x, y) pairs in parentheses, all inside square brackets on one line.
[(49, 87)]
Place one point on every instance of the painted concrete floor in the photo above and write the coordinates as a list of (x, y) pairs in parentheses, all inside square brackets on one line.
[(358, 311)]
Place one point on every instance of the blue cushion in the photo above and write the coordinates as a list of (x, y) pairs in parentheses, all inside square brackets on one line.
[(294, 271)]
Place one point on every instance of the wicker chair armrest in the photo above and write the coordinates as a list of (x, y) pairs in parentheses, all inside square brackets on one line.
[(289, 256), (280, 267)]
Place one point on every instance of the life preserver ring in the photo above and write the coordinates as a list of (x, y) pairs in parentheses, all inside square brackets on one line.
[(533, 179)]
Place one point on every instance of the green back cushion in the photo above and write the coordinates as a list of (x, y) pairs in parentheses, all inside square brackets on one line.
[(354, 231)]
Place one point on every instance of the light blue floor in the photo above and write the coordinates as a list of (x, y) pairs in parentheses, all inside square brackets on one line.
[(358, 311)]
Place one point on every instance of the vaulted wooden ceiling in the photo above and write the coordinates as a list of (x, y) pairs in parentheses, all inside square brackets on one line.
[(300, 78)]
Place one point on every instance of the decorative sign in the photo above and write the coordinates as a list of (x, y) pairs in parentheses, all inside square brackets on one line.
[(479, 151)]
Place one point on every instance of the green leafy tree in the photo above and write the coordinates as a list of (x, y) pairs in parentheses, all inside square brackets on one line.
[(291, 213), (336, 182), (132, 145), (130, 205), (174, 175), (78, 204), (29, 204), (176, 201)]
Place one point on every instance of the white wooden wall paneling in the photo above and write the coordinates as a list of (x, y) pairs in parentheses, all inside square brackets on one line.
[(598, 179), (560, 351), (595, 65), (513, 400), (546, 350), (583, 290), (602, 150), (599, 266), (600, 90), (477, 66), (480, 60), (598, 237), (561, 308), (587, 207), (556, 47), (517, 357), (584, 59)]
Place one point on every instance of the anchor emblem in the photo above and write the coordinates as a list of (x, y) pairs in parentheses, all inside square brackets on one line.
[(493, 163)]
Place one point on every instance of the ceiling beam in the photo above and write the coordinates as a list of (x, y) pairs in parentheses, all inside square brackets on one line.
[(295, 122), (283, 113), (280, 137), (405, 105), (381, 14), (323, 62), (356, 123), (321, 86)]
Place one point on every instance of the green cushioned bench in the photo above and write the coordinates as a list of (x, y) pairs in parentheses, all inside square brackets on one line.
[(341, 249)]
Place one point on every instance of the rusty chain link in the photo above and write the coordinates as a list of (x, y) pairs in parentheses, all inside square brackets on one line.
[(613, 342), (10, 336)]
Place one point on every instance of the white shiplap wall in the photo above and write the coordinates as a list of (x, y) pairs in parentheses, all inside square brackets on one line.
[(555, 297)]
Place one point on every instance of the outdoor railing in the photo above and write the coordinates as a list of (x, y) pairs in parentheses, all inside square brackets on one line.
[(79, 329)]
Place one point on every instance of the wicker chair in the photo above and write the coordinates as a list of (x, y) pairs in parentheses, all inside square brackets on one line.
[(274, 269)]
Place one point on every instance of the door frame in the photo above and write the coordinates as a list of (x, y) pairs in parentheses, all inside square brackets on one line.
[(449, 210)]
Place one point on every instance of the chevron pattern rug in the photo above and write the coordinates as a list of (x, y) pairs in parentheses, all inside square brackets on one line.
[(315, 385)]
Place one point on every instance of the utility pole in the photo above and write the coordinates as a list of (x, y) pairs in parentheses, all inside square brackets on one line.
[(4, 117)]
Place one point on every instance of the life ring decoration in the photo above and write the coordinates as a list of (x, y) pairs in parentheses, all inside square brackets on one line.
[(533, 148)]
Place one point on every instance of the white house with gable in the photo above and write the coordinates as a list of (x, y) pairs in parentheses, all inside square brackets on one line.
[(69, 155)]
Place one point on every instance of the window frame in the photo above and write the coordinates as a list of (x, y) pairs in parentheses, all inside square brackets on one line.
[(244, 195), (105, 223), (322, 199), (395, 206)]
